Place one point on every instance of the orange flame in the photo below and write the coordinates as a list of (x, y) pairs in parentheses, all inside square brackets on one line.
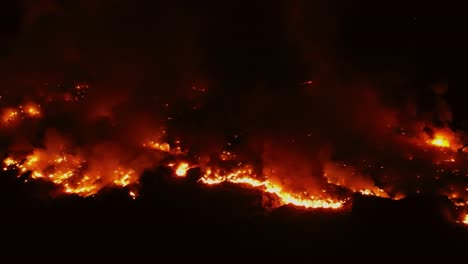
[(440, 141), (68, 172), (164, 147), (244, 176), (123, 178), (72, 173), (32, 110), (10, 115), (181, 169)]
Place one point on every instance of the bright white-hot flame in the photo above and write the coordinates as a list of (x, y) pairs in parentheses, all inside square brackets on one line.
[(181, 169), (440, 141), (465, 220)]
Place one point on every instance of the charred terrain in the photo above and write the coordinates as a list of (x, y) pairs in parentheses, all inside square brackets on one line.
[(297, 128)]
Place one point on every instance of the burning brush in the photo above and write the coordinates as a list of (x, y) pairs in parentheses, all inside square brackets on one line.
[(84, 168)]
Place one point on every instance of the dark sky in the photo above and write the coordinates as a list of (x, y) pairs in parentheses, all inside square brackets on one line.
[(253, 33), (234, 48)]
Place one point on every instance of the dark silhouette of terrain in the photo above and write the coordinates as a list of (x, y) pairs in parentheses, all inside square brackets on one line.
[(178, 217)]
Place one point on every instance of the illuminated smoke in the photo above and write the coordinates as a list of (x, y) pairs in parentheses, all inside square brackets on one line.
[(94, 108)]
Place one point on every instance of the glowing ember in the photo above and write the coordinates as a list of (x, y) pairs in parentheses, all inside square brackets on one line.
[(10, 115), (366, 192), (124, 178), (440, 141), (164, 147), (465, 220), (32, 110), (181, 169)]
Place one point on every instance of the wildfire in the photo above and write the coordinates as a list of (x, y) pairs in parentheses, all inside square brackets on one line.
[(9, 162), (440, 141), (164, 147), (76, 173), (70, 173), (32, 110), (123, 178), (370, 192), (10, 115), (86, 190), (181, 169), (244, 176)]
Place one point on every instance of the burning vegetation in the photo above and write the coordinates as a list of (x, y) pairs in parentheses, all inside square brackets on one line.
[(87, 168), (89, 103)]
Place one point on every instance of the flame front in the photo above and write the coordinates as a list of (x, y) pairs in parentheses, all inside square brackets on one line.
[(244, 176), (70, 172), (74, 171)]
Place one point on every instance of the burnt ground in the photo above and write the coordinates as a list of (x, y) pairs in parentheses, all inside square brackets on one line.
[(182, 219)]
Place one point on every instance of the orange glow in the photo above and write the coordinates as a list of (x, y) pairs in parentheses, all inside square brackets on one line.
[(32, 110), (366, 192), (10, 161), (81, 86), (13, 114), (164, 147), (245, 176), (123, 178), (181, 169), (84, 171), (440, 141), (345, 176), (10, 115), (66, 171)]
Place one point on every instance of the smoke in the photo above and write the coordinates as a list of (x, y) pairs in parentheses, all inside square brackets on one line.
[(272, 84)]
